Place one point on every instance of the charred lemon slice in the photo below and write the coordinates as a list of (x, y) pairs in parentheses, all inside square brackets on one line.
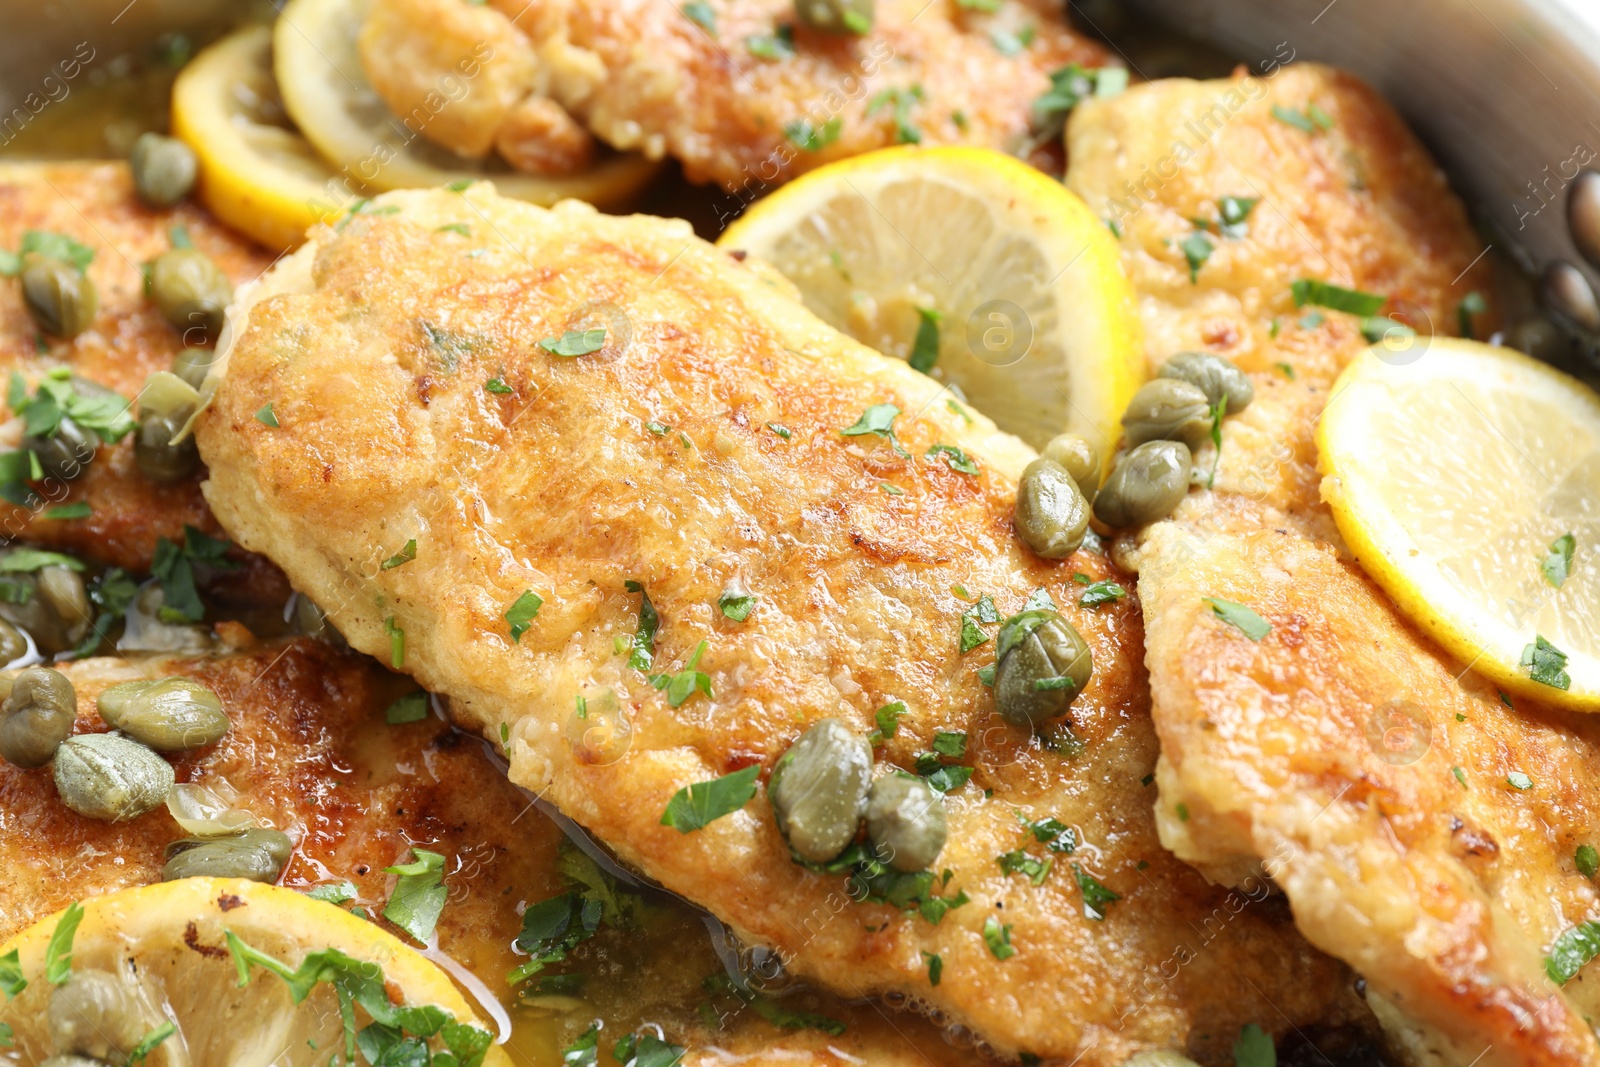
[(256, 173), (1466, 479), (327, 94), (978, 269), (215, 971)]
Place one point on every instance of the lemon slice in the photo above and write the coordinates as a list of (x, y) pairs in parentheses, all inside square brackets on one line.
[(1466, 479), (169, 945), (256, 173), (319, 72), (1009, 282)]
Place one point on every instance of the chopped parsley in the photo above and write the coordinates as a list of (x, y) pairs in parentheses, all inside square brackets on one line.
[(1235, 211), (644, 639), (1245, 620), (891, 490), (877, 420), (950, 743), (954, 458), (1312, 119), (454, 227), (1519, 780), (397, 643), (942, 778), (49, 244), (971, 634), (1336, 297), (1012, 44), (78, 509), (1253, 1048), (771, 1009), (773, 47), (1070, 86), (1546, 664), (522, 613), (1286, 369), (736, 602), (696, 805), (1041, 600), (646, 1051), (781, 430), (925, 346), (1019, 861), (1096, 897), (413, 707), (1471, 304), (267, 417), (681, 685), (1460, 775), (805, 135), (11, 980), (419, 895), (998, 938), (1102, 592), (24, 559), (174, 567), (888, 719), (1557, 565), (935, 967), (1056, 835), (575, 343), (148, 1043), (1379, 329), (58, 397), (58, 953), (405, 555), (900, 101), (497, 386), (1575, 946), (1197, 248), (701, 14), (1587, 860), (333, 892)]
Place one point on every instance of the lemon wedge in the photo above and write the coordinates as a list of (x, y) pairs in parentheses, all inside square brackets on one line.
[(327, 94), (1466, 479), (256, 173), (980, 270), (175, 949)]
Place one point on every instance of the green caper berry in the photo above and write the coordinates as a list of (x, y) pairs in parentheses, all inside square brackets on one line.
[(13, 643), (1081, 459), (258, 855), (818, 790), (36, 716), (66, 453), (905, 822), (63, 590), (1145, 485), (835, 16), (60, 297), (107, 776), (166, 714), (1213, 375), (160, 459), (1167, 410), (1043, 664), (191, 291), (164, 169), (192, 364), (95, 1014), (1052, 516)]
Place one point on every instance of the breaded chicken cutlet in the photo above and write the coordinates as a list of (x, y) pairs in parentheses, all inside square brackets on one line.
[(424, 406), (1411, 859), (742, 92)]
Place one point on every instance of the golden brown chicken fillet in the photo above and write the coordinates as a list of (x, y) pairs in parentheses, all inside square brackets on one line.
[(392, 398), (309, 752), (94, 203), (1342, 752), (737, 90)]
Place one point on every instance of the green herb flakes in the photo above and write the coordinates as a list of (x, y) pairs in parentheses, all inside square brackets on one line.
[(1336, 297), (888, 719), (333, 892), (736, 602), (694, 806), (267, 417), (58, 953), (1102, 592), (1587, 860), (397, 643), (575, 343), (1519, 780), (1197, 248), (683, 684), (1546, 664), (900, 101), (998, 938), (1557, 565), (781, 430), (1056, 835), (1020, 862), (1460, 776), (1245, 620), (419, 895), (702, 15), (877, 420), (1253, 1048), (954, 458), (935, 967), (1575, 946), (644, 638), (498, 387), (774, 47), (950, 743), (405, 555), (522, 613), (148, 1043), (11, 980), (925, 346), (413, 707), (78, 509), (811, 138), (1096, 897)]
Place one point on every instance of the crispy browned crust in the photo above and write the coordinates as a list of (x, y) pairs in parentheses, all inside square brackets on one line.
[(561, 487), (1328, 751), (643, 76), (95, 203)]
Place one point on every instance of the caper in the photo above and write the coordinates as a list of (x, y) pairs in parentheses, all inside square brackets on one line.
[(59, 296), (1042, 664), (1145, 485), (13, 643), (52, 604), (192, 364), (1159, 1058), (1167, 410), (1052, 515), (166, 714), (835, 16), (95, 1013), (164, 169), (107, 776), (258, 855), (1215, 376), (63, 589), (818, 790), (36, 716), (64, 454), (905, 822), (191, 291), (165, 405), (1081, 459)]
